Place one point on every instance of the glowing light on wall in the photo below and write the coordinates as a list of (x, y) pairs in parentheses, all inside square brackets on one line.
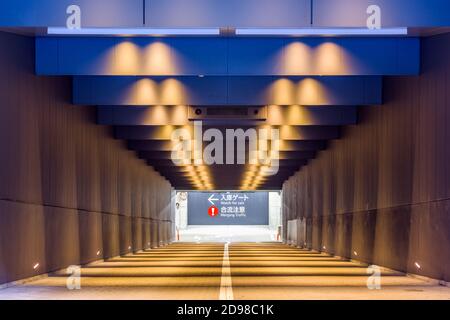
[(298, 58), (127, 58), (283, 91), (157, 59), (275, 115), (161, 114), (143, 91), (130, 58), (328, 59), (172, 92), (310, 91), (288, 115), (169, 92), (307, 91)]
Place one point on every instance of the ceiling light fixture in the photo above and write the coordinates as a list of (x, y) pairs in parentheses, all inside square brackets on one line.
[(133, 31), (321, 32)]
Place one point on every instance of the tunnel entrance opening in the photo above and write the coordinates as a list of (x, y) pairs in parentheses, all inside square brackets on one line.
[(228, 216)]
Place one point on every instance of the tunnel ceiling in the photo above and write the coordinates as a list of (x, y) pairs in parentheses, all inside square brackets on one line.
[(304, 89), (148, 67), (307, 89)]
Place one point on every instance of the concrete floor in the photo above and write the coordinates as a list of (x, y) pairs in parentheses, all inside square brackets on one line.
[(258, 271)]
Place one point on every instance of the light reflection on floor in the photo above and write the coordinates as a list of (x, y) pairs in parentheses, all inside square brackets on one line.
[(228, 234), (258, 271)]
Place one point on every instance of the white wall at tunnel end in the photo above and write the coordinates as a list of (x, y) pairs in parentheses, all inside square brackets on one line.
[(181, 210), (274, 210), (233, 233), (228, 233)]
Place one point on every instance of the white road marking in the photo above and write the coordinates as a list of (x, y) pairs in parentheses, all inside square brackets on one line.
[(226, 288)]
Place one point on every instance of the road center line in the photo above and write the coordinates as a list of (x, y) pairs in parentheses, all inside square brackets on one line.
[(226, 288)]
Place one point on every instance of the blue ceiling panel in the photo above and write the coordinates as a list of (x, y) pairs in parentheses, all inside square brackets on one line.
[(53, 13)]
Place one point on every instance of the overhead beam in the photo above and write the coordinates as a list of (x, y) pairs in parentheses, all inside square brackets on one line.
[(238, 91), (220, 182), (222, 177), (168, 163), (237, 169), (227, 56), (284, 145), (225, 179), (286, 132), (179, 115), (284, 155), (276, 184)]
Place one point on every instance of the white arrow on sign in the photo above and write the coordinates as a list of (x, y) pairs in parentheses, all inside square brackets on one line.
[(211, 199)]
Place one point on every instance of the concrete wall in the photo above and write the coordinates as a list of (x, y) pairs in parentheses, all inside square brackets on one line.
[(68, 190), (381, 194)]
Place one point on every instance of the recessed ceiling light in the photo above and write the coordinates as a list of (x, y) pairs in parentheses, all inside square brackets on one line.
[(134, 31), (321, 32)]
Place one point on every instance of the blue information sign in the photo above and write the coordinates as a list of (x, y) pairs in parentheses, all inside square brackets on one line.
[(228, 208)]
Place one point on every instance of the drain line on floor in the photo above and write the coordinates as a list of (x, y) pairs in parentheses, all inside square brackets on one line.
[(226, 288)]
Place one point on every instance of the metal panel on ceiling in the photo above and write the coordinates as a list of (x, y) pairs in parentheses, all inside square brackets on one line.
[(394, 13), (229, 13), (53, 13)]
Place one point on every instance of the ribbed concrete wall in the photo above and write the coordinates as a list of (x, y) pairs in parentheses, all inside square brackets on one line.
[(68, 190), (383, 190)]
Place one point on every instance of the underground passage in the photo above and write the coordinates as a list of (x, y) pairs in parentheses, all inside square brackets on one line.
[(224, 150)]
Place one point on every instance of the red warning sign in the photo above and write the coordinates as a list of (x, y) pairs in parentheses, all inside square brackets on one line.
[(213, 211)]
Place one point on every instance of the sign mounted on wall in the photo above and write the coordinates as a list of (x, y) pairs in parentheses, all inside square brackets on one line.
[(228, 208)]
